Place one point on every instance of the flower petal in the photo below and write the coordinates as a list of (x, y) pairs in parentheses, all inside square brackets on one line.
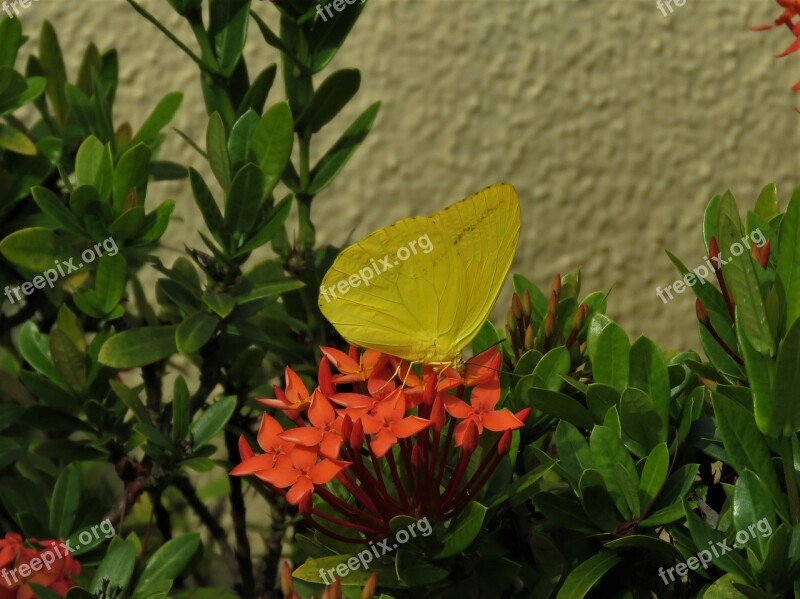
[(326, 470), (304, 435), (343, 363), (485, 396), (457, 408), (304, 457), (501, 420), (408, 426), (265, 461), (331, 444), (268, 433), (321, 411), (300, 489), (382, 442), (280, 477)]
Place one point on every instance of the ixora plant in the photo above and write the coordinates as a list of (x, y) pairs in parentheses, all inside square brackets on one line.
[(410, 448)]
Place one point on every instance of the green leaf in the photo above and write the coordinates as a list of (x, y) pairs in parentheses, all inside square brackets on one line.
[(333, 95), (549, 560), (272, 143), (639, 419), (16, 141), (93, 166), (239, 139), (610, 361), (10, 41), (740, 277), (554, 365), (789, 257), (220, 303), (52, 206), (340, 153), (64, 502), (767, 203), (68, 359), (581, 580), (212, 421), (704, 536), (138, 347), (181, 414), (746, 447), (786, 406), (194, 332), (52, 64), (607, 450), (244, 201), (117, 566), (167, 562), (770, 411), (708, 294), (654, 475), (462, 531), (34, 249), (132, 401), (415, 571), (310, 569), (256, 96), (132, 172), (561, 406), (207, 205), (272, 224), (629, 487), (217, 150), (160, 117), (35, 348), (752, 503), (572, 450), (228, 20), (328, 36), (648, 372)]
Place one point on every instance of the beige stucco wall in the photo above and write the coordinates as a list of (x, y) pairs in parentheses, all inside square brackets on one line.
[(616, 123)]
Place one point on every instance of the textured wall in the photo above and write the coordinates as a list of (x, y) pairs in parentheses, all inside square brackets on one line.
[(616, 123)]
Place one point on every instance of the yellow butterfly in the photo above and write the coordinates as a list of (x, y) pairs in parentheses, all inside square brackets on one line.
[(421, 289)]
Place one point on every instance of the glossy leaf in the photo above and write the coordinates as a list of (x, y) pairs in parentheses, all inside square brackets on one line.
[(194, 332), (139, 347), (272, 143), (789, 258), (610, 360), (64, 502), (167, 562), (212, 420), (586, 575)]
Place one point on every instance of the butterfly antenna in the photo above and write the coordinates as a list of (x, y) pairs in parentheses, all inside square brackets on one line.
[(394, 374)]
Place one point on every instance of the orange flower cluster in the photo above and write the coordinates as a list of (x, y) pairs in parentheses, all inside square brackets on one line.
[(24, 563), (388, 434), (791, 9)]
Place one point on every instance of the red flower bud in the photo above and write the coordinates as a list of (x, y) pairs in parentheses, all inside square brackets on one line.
[(325, 378), (369, 588), (529, 338), (347, 427), (523, 414), (555, 286), (504, 444), (516, 306), (417, 456), (713, 252), (287, 586), (306, 504), (702, 313), (527, 308), (245, 451), (357, 435)]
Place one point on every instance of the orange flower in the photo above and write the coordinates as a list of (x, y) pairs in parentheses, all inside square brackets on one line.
[(56, 575), (303, 473), (325, 432), (372, 367), (276, 450), (481, 411), (294, 400), (389, 424)]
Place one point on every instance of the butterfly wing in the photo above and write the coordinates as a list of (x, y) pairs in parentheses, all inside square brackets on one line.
[(394, 306), (484, 231)]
